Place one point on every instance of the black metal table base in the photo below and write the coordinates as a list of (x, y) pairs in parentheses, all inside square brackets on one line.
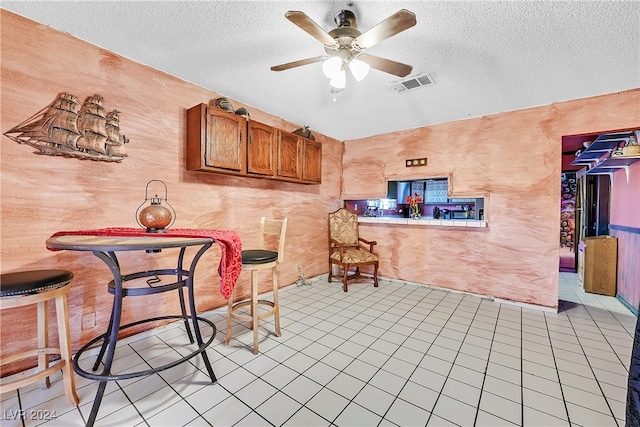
[(184, 279), (111, 377)]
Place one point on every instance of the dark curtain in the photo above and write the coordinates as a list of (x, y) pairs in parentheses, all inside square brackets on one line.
[(633, 386)]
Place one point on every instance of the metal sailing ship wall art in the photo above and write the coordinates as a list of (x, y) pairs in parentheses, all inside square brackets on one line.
[(68, 128)]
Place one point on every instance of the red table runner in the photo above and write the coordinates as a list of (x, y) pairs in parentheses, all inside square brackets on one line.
[(229, 241)]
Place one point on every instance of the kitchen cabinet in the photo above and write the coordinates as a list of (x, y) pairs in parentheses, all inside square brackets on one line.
[(312, 161), (216, 140), (219, 141), (289, 155), (261, 146)]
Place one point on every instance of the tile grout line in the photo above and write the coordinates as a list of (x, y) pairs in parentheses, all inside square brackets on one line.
[(591, 368)]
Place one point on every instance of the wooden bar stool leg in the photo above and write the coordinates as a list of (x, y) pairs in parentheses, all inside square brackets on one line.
[(43, 341), (255, 260), (276, 300), (37, 287), (62, 313), (254, 309), (229, 317)]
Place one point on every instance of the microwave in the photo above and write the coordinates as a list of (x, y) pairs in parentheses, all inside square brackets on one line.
[(459, 215)]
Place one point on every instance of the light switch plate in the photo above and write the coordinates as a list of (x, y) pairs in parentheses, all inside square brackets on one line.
[(410, 163)]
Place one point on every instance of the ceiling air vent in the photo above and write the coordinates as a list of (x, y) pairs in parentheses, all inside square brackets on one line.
[(412, 83)]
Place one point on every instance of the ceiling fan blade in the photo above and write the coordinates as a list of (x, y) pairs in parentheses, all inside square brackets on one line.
[(299, 63), (386, 65), (394, 24), (307, 24)]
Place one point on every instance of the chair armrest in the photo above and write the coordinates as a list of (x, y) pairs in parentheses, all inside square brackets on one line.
[(336, 243), (339, 246), (370, 243), (373, 242)]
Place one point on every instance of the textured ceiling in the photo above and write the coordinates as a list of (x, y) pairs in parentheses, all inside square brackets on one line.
[(485, 56)]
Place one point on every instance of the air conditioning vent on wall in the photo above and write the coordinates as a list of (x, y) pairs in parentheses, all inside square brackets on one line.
[(412, 83)]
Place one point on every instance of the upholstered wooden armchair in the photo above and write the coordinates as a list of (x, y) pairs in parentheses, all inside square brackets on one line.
[(345, 249)]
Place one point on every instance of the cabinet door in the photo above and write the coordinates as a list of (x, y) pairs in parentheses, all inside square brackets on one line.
[(289, 160), (215, 140), (312, 161), (260, 149)]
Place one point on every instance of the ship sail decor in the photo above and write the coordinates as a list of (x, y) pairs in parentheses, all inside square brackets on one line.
[(68, 128)]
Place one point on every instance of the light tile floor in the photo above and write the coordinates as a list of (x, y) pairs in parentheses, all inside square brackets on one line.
[(397, 355)]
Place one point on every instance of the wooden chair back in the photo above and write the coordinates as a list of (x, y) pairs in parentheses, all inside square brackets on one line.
[(276, 228), (343, 227)]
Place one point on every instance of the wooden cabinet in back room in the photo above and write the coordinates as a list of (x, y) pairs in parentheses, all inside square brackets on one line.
[(597, 264)]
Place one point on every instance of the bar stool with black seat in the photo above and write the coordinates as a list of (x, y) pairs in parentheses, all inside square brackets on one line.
[(255, 260), (38, 287)]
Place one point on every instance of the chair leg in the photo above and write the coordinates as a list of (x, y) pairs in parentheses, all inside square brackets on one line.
[(330, 272), (276, 302), (229, 320), (345, 277), (254, 309), (375, 275), (43, 341), (68, 379)]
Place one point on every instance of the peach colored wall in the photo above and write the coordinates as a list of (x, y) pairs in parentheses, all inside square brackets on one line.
[(43, 194), (512, 159)]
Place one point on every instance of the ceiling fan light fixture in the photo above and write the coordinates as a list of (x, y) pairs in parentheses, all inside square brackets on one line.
[(339, 81), (332, 66), (359, 69)]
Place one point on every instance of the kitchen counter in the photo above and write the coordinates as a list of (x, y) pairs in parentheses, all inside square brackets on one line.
[(424, 221)]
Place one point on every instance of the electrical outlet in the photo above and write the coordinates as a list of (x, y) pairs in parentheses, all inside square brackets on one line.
[(88, 321)]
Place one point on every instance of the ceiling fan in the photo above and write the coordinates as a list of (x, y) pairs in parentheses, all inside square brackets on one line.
[(345, 45)]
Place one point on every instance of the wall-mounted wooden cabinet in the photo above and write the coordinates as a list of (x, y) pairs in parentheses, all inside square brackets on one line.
[(312, 161), (219, 141), (289, 155), (216, 140), (261, 144)]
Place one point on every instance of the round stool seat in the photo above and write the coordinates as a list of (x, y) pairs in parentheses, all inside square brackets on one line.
[(38, 287), (258, 256), (30, 282)]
